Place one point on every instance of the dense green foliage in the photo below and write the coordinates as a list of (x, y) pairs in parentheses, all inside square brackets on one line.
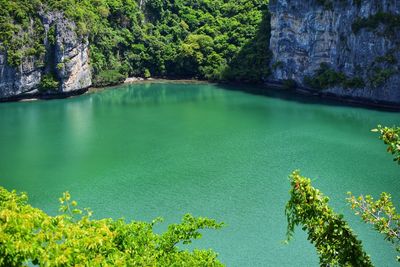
[(16, 17), (109, 77), (48, 82), (28, 235), (205, 39), (334, 240), (202, 39)]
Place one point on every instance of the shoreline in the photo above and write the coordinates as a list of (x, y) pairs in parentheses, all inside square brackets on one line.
[(266, 88), (151, 80)]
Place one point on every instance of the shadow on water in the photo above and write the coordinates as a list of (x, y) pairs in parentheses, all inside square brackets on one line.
[(146, 94), (308, 98)]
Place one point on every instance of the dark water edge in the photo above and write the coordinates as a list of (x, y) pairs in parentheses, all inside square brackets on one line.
[(44, 96)]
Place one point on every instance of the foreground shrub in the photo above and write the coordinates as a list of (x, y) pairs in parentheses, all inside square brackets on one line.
[(28, 235)]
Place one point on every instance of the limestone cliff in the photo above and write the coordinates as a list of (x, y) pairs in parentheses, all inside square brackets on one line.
[(358, 40), (66, 57)]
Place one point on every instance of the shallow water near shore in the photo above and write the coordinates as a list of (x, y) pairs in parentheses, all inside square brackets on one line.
[(146, 150)]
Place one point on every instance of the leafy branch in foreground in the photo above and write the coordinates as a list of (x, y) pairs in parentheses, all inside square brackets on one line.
[(381, 213), (391, 138), (334, 240), (28, 235)]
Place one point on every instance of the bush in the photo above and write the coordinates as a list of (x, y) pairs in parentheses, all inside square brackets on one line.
[(325, 77), (327, 4), (356, 82), (14, 58), (147, 74), (48, 83), (390, 21), (108, 77), (289, 84), (380, 76), (28, 235), (387, 58)]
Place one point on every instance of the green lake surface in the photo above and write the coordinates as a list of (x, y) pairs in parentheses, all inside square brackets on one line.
[(148, 150)]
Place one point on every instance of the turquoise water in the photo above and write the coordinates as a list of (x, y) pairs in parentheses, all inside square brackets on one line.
[(149, 150)]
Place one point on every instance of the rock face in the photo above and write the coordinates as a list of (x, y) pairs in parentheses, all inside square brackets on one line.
[(306, 33), (66, 58), (18, 80)]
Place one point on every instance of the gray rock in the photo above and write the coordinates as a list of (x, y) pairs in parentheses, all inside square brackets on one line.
[(306, 34), (68, 59), (19, 80)]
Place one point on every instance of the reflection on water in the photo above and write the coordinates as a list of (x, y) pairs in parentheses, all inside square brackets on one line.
[(148, 94), (148, 150)]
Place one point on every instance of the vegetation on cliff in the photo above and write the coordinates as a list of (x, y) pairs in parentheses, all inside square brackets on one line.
[(389, 21), (325, 77)]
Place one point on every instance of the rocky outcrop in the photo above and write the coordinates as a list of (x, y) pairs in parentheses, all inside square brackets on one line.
[(66, 58), (71, 53), (18, 80), (356, 39)]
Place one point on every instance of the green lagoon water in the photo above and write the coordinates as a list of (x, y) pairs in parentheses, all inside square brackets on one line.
[(149, 150)]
